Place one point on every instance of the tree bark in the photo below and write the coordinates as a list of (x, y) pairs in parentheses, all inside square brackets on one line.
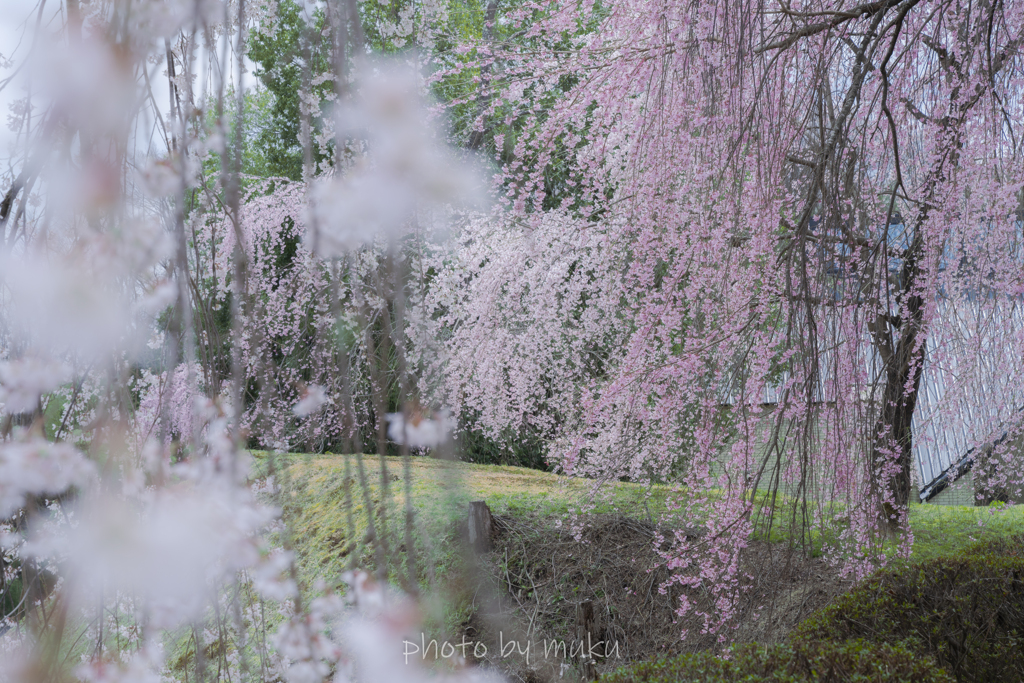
[(904, 359), (903, 367)]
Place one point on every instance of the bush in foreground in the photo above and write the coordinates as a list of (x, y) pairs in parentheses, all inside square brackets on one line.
[(965, 611), (853, 661), (951, 618)]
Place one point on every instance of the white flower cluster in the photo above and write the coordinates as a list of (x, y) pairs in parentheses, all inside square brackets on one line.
[(406, 170), (418, 431), (35, 467), (24, 381)]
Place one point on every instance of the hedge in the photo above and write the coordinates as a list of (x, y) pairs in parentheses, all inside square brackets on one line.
[(965, 611), (957, 618), (853, 661)]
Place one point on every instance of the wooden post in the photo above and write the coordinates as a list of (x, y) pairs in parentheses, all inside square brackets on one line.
[(480, 526), (588, 636)]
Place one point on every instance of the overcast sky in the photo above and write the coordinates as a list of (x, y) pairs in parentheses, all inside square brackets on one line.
[(13, 18)]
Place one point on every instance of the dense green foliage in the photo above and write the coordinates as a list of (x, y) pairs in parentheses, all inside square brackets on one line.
[(958, 617), (965, 610), (849, 662), (518, 450), (280, 55)]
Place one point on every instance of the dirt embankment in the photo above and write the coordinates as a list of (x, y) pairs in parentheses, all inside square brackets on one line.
[(531, 601)]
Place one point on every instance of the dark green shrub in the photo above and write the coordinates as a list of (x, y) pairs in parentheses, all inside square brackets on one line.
[(10, 598), (520, 449), (800, 662), (965, 611)]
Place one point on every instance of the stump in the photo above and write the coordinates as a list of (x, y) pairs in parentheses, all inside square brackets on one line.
[(480, 526), (588, 635)]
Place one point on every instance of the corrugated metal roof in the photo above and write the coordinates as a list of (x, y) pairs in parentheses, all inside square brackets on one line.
[(971, 391)]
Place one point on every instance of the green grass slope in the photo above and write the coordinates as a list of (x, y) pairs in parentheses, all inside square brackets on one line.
[(315, 490), (317, 493), (325, 506)]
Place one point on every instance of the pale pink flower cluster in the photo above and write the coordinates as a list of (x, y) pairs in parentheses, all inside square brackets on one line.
[(707, 191), (294, 320), (176, 396), (532, 313)]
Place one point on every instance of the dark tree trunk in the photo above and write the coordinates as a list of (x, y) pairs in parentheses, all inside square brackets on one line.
[(900, 341)]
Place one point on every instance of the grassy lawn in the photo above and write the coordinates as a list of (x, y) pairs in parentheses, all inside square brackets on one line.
[(315, 490), (945, 529), (329, 535)]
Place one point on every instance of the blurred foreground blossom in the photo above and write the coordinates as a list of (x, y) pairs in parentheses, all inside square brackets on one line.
[(375, 632), (145, 666), (164, 19), (35, 467), (368, 632), (419, 431), (23, 382), (307, 653), (169, 551), (365, 593), (62, 306), (312, 400), (406, 169), (17, 664), (162, 294), (271, 576), (134, 248), (90, 81), (160, 178), (162, 530)]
